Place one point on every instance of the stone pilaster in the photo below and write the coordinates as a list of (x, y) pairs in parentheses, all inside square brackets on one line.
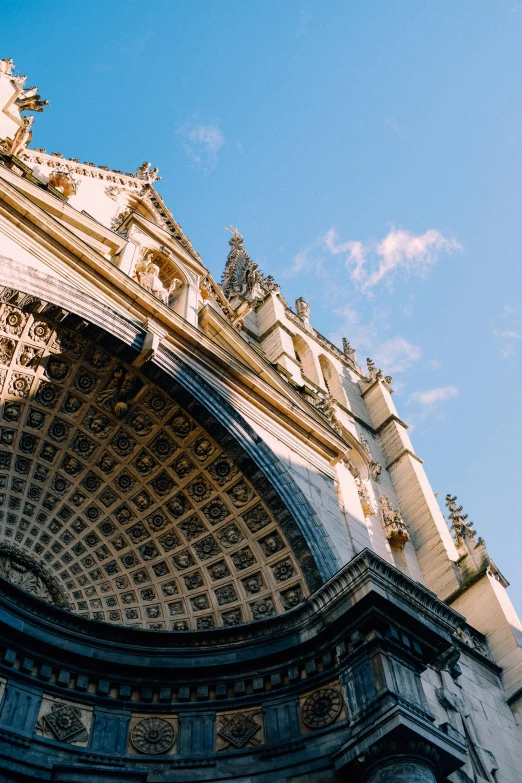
[(429, 533)]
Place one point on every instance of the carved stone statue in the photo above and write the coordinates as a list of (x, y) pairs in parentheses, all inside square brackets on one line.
[(22, 136), (147, 273), (393, 524), (144, 172)]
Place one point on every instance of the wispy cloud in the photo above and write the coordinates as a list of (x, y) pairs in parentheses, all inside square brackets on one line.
[(396, 354), (203, 144), (509, 333), (433, 396), (371, 263), (393, 354), (392, 123), (508, 318)]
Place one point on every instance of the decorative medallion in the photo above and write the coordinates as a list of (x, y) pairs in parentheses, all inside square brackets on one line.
[(321, 708), (153, 736)]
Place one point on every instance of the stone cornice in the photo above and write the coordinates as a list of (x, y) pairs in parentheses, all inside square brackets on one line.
[(365, 578), (388, 420), (403, 453), (130, 182)]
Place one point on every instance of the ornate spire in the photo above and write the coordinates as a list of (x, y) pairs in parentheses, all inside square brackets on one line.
[(242, 276)]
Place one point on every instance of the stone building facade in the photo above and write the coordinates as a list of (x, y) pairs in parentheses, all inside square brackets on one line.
[(221, 558)]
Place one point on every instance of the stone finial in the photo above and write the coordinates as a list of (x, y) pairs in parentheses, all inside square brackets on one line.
[(461, 528), (302, 309), (375, 374), (348, 350), (148, 175), (393, 523), (473, 553)]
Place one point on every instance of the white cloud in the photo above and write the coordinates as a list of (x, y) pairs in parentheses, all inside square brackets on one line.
[(396, 354), (203, 144), (433, 396), (392, 123), (371, 263), (510, 334)]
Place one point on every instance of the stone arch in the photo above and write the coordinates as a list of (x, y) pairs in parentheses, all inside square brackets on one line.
[(47, 369), (305, 355), (331, 379)]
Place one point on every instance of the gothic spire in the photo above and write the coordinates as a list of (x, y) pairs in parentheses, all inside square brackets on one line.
[(242, 276)]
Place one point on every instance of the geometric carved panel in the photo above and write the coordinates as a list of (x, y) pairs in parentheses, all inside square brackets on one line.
[(122, 497)]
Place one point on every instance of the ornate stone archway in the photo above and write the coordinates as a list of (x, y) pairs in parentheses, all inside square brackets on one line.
[(109, 483)]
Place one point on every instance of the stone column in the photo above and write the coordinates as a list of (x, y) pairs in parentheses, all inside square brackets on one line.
[(402, 772), (401, 761)]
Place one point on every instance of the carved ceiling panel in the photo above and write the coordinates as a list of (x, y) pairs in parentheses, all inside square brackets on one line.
[(117, 495)]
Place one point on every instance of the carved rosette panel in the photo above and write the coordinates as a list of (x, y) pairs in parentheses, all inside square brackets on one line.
[(120, 495), (322, 707), (64, 721), (153, 735)]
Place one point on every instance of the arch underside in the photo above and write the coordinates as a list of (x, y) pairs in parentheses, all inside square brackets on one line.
[(118, 498)]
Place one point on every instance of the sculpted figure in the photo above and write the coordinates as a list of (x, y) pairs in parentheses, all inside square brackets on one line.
[(6, 66), (22, 136)]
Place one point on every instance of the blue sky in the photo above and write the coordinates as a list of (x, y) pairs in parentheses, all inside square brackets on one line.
[(371, 155)]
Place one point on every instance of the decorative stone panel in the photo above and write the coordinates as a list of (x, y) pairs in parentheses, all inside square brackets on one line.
[(115, 501), (239, 729), (153, 735), (64, 721), (321, 708)]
